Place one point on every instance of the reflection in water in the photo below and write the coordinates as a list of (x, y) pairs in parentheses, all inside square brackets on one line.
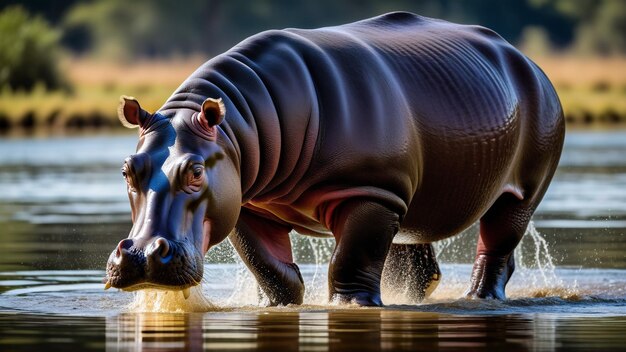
[(355, 329), (311, 329), (36, 332), (154, 331)]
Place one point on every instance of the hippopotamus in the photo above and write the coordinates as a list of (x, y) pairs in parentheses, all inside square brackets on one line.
[(387, 134)]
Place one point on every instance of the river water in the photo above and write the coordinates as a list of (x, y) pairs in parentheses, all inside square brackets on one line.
[(63, 208)]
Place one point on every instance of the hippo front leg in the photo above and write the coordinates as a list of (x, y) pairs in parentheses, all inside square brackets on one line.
[(265, 248), (363, 231)]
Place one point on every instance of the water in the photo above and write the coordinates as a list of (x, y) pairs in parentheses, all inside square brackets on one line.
[(63, 208), (62, 310)]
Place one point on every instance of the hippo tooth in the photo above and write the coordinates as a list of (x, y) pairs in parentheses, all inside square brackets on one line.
[(107, 285), (186, 292)]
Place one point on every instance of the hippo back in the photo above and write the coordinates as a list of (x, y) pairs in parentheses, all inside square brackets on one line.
[(403, 109)]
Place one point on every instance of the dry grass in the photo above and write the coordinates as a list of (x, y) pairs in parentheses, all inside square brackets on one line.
[(584, 72), (591, 90), (97, 87), (136, 74), (589, 87)]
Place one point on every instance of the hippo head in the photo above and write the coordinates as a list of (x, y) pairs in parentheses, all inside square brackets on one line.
[(184, 194)]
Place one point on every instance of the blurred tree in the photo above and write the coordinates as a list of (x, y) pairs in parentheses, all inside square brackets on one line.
[(535, 41), (28, 51), (601, 24), (605, 32), (116, 28), (167, 27), (147, 28), (51, 10)]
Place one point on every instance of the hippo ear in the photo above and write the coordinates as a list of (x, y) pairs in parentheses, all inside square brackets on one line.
[(129, 112), (213, 111)]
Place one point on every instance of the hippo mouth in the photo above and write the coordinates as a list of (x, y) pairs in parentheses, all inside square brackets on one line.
[(164, 264)]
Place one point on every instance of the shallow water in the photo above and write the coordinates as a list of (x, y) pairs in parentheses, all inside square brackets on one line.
[(63, 208), (66, 309)]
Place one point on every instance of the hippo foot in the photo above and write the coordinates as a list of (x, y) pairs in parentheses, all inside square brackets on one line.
[(490, 276), (412, 271), (361, 298), (285, 286), (265, 248)]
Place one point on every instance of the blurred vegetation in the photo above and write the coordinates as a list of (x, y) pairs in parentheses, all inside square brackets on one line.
[(158, 28), (165, 27), (148, 47), (29, 51), (600, 24)]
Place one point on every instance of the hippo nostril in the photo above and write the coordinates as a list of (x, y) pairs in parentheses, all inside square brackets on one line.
[(124, 244), (162, 246)]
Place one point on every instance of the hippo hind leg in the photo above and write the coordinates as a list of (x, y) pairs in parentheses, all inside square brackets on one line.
[(501, 229), (411, 270), (363, 231), (265, 248)]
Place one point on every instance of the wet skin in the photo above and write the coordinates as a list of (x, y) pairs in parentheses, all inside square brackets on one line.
[(399, 122)]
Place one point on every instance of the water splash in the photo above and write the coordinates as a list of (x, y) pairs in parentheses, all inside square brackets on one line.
[(246, 291), (162, 301), (316, 287), (540, 258), (537, 268)]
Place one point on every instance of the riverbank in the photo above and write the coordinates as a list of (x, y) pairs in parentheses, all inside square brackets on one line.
[(592, 91)]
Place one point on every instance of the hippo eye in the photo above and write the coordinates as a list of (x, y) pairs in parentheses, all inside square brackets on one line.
[(197, 172), (194, 178), (127, 177)]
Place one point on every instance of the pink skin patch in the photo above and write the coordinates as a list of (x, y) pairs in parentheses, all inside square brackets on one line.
[(279, 248), (272, 236)]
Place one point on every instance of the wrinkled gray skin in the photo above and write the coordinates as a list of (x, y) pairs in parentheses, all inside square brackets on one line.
[(355, 131)]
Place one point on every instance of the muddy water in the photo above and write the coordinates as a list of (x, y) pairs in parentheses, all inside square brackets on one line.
[(63, 208)]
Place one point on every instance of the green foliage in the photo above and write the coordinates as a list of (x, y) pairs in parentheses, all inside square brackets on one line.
[(600, 24), (535, 41), (165, 28), (119, 29), (168, 27), (28, 51), (605, 32)]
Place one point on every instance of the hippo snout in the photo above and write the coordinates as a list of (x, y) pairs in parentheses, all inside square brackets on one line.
[(161, 263)]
